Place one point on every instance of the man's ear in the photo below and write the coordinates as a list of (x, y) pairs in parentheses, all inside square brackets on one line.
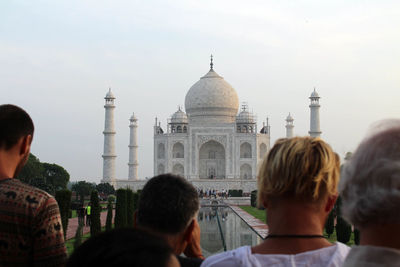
[(187, 236), (330, 202), (25, 146)]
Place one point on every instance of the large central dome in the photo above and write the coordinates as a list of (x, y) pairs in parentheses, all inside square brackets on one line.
[(212, 99)]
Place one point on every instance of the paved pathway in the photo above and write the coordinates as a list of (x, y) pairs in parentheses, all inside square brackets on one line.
[(260, 227), (73, 225)]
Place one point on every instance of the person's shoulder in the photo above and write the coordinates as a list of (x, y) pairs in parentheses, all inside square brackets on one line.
[(342, 249), (32, 195), (340, 254), (236, 257)]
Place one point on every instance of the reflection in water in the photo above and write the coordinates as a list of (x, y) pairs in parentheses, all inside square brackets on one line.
[(234, 230)]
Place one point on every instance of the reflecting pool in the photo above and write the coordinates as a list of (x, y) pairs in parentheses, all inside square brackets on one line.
[(222, 229)]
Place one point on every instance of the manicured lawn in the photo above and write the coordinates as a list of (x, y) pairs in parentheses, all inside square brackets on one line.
[(261, 214), (70, 243), (73, 212)]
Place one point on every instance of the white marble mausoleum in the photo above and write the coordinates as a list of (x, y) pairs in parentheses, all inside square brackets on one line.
[(211, 143)]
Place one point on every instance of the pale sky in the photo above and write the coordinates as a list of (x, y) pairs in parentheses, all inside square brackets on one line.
[(58, 58)]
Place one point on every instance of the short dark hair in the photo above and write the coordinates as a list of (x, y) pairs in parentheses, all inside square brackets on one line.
[(122, 247), (167, 203), (14, 124)]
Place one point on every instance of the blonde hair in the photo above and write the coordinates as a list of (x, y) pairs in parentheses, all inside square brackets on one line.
[(300, 167)]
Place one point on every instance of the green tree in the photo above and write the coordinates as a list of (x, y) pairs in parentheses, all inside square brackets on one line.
[(330, 223), (55, 175), (40, 183), (63, 198), (343, 228), (253, 198), (82, 189), (95, 225), (32, 169), (78, 236), (105, 188), (109, 215), (120, 220), (130, 207), (46, 176), (136, 197)]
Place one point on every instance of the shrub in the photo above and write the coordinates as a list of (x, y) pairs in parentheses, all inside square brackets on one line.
[(130, 208), (95, 225), (235, 193), (63, 198), (111, 198), (136, 196), (343, 230), (253, 198), (109, 216), (330, 223), (78, 237), (120, 220)]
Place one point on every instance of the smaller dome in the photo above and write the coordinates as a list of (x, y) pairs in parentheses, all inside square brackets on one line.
[(245, 116), (179, 117), (314, 94), (110, 95), (289, 117)]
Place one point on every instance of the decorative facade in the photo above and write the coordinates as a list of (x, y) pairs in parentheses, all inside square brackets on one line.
[(212, 144), (212, 141)]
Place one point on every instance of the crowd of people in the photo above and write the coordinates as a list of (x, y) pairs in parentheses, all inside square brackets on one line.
[(298, 184), (213, 193)]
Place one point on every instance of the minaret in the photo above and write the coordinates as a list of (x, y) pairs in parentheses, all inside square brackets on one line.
[(289, 126), (133, 164), (109, 140), (314, 115)]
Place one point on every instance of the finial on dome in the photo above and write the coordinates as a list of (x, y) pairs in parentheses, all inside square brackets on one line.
[(211, 62)]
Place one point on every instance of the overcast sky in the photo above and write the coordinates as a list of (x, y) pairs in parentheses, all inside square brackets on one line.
[(58, 58)]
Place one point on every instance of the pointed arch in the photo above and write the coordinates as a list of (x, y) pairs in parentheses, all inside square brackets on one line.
[(178, 151), (245, 150)]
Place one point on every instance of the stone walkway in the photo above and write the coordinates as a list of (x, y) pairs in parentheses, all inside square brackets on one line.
[(260, 227), (73, 225)]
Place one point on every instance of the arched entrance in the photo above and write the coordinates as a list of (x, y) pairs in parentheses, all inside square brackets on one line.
[(212, 160), (245, 171)]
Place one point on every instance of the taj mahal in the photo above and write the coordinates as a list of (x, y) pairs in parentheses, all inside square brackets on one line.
[(212, 143)]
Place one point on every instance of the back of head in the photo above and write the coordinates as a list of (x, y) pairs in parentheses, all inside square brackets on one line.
[(167, 204), (14, 124), (370, 184), (303, 168), (122, 247)]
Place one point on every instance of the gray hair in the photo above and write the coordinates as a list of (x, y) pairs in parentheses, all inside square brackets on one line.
[(370, 182)]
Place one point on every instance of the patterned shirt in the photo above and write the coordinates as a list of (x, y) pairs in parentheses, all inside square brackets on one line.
[(31, 233)]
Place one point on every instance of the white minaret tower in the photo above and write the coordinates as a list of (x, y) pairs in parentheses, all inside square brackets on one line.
[(314, 115), (289, 126), (109, 140), (133, 164)]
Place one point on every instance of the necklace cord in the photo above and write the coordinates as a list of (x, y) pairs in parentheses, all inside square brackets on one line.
[(295, 236)]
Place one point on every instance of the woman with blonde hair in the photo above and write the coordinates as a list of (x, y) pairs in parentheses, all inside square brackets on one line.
[(297, 185)]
